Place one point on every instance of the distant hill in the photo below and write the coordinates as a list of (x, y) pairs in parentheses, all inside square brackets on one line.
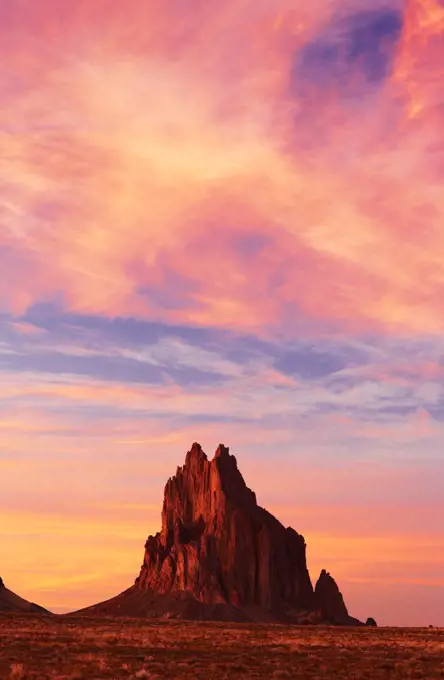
[(10, 602)]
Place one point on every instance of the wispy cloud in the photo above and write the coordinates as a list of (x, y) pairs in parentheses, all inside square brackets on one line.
[(222, 225)]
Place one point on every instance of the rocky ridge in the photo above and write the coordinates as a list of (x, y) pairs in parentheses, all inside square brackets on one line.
[(219, 555)]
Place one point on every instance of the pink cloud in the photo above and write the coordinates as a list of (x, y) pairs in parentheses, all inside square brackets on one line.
[(122, 148), (159, 163)]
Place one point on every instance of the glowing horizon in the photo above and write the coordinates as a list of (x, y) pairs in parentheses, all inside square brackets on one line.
[(223, 224)]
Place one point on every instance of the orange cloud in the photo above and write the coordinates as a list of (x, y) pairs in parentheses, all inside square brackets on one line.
[(419, 65)]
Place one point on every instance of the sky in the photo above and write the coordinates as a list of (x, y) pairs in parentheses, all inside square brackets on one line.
[(223, 222)]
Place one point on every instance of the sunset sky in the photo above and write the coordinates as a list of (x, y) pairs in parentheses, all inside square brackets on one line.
[(223, 222)]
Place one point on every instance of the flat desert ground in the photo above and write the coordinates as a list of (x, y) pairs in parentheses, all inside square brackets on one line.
[(69, 648)]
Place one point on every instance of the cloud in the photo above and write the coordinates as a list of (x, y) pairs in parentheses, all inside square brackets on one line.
[(358, 410), (220, 199), (317, 360), (355, 49), (222, 225), (371, 380)]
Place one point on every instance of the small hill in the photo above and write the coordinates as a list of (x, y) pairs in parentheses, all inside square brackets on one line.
[(10, 602)]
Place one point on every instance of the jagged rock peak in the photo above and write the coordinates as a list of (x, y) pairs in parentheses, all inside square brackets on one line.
[(329, 599), (2, 585), (196, 453), (219, 555), (219, 545), (200, 477), (222, 451)]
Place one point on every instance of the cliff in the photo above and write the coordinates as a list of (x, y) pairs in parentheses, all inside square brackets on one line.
[(219, 555)]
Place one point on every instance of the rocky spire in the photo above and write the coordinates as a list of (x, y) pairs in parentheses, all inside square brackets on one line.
[(218, 555), (329, 599), (218, 544)]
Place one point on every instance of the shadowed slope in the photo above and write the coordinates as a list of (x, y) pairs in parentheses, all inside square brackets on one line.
[(10, 602)]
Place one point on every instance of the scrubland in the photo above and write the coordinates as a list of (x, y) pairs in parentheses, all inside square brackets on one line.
[(73, 648)]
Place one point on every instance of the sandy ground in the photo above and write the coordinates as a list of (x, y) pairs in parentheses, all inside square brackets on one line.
[(40, 647)]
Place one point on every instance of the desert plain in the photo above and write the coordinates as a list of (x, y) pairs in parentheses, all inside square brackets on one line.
[(39, 647)]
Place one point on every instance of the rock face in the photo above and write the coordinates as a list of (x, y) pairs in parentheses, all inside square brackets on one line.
[(219, 545), (330, 600), (219, 555)]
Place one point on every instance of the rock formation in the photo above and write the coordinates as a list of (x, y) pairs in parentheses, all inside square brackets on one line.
[(10, 602), (220, 555), (330, 601), (218, 544)]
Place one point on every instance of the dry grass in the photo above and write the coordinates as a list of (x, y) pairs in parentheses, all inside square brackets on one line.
[(41, 648)]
